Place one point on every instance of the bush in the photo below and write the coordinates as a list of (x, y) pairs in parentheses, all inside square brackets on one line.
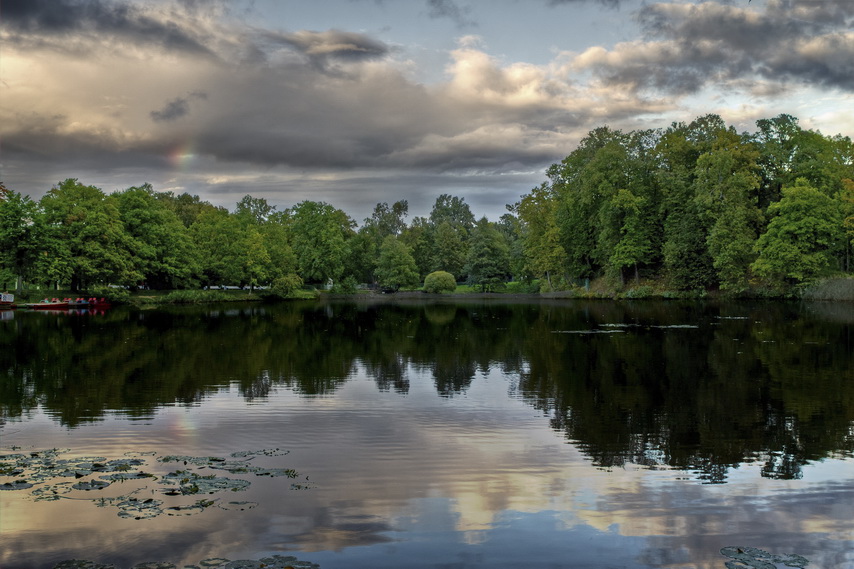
[(644, 291), (195, 296), (112, 294), (440, 281), (287, 285), (524, 287), (347, 285)]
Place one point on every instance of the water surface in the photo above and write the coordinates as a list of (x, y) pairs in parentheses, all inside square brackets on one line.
[(476, 434)]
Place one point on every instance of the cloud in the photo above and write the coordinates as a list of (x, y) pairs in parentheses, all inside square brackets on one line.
[(608, 3), (176, 108), (333, 44), (51, 21), (451, 10), (294, 109), (687, 47)]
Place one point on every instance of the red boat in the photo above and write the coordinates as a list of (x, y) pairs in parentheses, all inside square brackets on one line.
[(68, 303), (48, 304)]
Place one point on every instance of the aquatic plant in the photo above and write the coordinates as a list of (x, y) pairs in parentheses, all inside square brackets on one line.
[(753, 558), (93, 474), (272, 562)]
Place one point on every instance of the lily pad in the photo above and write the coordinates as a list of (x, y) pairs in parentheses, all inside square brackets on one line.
[(139, 509), (81, 564), (238, 505), (214, 562), (189, 509), (19, 484), (754, 558), (51, 492), (274, 472), (265, 452), (91, 485)]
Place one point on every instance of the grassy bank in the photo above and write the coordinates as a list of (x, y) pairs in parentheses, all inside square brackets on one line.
[(830, 289)]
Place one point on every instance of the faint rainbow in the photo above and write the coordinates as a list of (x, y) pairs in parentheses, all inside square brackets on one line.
[(182, 155)]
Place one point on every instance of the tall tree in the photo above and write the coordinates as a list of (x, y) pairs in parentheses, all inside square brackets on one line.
[(218, 236), (805, 233), (396, 268), (541, 242), (488, 260), (449, 249), (88, 243), (726, 187), (20, 234), (320, 235), (453, 210), (684, 251), (160, 244), (254, 210)]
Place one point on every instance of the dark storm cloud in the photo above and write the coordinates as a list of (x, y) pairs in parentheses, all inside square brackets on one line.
[(689, 46), (47, 18)]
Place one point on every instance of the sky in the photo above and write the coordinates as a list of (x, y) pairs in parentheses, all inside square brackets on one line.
[(358, 102)]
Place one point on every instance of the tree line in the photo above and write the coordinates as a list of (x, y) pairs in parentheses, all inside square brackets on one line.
[(696, 206), (80, 237)]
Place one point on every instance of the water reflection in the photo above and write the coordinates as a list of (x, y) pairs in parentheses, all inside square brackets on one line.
[(692, 386), (475, 434)]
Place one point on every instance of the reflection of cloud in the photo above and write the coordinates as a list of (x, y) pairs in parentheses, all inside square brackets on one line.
[(415, 469)]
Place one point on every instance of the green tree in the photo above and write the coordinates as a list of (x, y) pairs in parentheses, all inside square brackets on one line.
[(454, 211), (418, 236), (187, 207), (726, 187), (276, 236), (320, 235), (86, 240), (396, 268), (541, 239), (685, 256), (160, 244), (805, 232), (218, 236), (254, 210), (256, 262), (20, 234), (488, 261), (449, 249), (365, 245), (634, 246)]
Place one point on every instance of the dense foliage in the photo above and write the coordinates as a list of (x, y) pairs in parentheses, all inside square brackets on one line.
[(693, 206), (696, 205)]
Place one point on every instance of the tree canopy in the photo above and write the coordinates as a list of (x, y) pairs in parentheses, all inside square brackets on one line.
[(695, 206)]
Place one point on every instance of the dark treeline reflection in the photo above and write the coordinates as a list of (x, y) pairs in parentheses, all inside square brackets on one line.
[(696, 386)]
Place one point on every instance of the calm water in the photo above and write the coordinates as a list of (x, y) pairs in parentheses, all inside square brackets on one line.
[(468, 435)]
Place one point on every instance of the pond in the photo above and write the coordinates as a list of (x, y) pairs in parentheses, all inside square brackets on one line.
[(442, 434)]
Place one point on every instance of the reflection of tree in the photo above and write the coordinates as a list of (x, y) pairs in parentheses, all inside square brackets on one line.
[(696, 399), (770, 384)]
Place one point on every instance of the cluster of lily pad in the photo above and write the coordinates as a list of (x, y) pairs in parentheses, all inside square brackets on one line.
[(95, 473), (753, 558), (272, 562)]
